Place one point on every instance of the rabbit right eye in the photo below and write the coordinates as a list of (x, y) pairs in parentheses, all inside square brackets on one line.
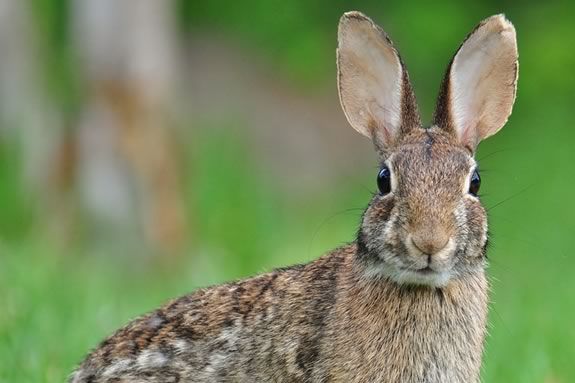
[(474, 183), (384, 180)]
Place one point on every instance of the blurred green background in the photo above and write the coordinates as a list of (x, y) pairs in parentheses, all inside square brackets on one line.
[(243, 143)]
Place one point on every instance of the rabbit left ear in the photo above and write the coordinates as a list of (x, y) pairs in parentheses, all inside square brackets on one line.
[(374, 88), (478, 91)]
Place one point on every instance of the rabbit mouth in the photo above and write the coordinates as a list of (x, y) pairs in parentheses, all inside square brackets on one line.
[(427, 276), (425, 270)]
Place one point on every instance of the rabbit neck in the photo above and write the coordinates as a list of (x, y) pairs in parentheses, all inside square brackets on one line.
[(410, 333)]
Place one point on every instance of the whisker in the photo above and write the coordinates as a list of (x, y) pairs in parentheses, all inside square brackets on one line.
[(493, 153), (494, 310), (327, 220), (499, 264), (509, 198)]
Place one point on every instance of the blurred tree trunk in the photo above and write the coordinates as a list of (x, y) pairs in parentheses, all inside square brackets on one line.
[(128, 163), (29, 120), (25, 113)]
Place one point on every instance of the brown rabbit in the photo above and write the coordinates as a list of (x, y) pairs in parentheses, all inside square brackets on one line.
[(405, 302)]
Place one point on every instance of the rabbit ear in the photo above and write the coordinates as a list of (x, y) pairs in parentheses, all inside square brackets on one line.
[(374, 88), (479, 88)]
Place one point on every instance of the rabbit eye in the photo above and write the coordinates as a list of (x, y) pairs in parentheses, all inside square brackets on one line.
[(474, 183), (384, 180)]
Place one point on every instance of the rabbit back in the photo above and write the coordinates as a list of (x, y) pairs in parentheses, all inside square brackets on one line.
[(267, 328)]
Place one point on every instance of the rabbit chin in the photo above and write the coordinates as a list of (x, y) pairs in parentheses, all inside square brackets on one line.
[(427, 278), (405, 276)]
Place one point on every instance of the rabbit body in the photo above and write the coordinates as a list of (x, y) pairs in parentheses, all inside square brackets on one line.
[(320, 322), (407, 300)]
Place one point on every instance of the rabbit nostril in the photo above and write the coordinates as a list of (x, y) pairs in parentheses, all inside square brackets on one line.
[(417, 246), (429, 243)]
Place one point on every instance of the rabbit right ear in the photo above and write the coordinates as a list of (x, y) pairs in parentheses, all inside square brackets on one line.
[(374, 88), (478, 91)]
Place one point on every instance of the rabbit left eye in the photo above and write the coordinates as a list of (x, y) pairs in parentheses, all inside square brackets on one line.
[(474, 183), (384, 180)]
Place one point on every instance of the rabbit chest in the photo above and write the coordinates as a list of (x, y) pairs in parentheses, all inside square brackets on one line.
[(385, 332)]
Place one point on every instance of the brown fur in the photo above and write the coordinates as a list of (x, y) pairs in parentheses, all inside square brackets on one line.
[(396, 305), (322, 322)]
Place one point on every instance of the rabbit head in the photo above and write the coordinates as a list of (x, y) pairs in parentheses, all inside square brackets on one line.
[(426, 225)]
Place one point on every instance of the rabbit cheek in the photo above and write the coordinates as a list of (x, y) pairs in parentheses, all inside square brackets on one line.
[(377, 234), (378, 213), (477, 228), (472, 236)]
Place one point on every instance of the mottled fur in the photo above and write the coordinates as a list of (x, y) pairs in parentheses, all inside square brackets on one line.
[(405, 302), (321, 322)]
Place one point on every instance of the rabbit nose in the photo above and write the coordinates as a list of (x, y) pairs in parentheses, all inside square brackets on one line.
[(429, 242)]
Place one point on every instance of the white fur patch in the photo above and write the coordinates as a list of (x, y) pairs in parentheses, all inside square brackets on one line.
[(180, 345), (461, 215), (230, 335), (155, 321), (216, 360), (393, 175), (117, 367), (151, 359), (432, 279), (219, 359)]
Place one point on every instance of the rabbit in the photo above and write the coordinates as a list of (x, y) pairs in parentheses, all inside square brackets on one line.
[(407, 300)]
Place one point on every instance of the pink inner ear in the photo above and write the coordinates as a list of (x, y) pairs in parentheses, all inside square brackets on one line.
[(482, 81), (371, 80), (469, 137), (384, 122)]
